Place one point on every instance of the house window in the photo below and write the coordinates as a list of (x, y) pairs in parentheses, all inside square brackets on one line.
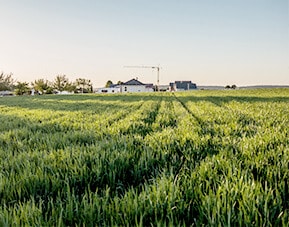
[(125, 88)]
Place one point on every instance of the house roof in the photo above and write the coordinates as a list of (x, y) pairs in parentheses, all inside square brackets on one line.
[(133, 82), (114, 85), (183, 81)]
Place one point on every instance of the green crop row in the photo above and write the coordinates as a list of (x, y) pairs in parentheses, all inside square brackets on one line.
[(202, 158)]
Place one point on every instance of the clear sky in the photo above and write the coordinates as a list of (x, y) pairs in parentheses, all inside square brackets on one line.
[(211, 42)]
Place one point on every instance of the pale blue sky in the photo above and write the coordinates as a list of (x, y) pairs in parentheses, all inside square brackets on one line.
[(211, 42)]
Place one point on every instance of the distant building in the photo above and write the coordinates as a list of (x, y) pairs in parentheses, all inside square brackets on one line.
[(6, 93), (64, 92), (182, 86), (109, 90), (134, 85), (164, 88)]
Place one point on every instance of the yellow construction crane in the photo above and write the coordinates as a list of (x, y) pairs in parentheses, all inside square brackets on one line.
[(151, 67)]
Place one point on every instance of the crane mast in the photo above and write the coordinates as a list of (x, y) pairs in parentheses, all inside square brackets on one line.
[(151, 67)]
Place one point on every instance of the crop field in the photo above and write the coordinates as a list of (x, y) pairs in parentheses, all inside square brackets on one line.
[(201, 158)]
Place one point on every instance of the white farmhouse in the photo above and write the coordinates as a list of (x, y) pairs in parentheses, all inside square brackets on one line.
[(109, 90), (134, 85)]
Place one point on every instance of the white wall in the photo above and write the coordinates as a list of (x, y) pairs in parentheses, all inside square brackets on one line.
[(65, 92), (135, 88), (108, 90)]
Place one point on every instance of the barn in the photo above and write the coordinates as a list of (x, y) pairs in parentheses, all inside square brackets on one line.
[(182, 86)]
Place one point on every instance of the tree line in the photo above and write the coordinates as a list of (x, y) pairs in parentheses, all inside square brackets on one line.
[(109, 83), (42, 86)]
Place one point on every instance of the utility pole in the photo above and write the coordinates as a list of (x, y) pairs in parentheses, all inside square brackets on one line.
[(152, 67)]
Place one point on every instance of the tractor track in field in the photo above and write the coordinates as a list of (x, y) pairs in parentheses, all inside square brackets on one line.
[(144, 125), (198, 156), (204, 125), (123, 116)]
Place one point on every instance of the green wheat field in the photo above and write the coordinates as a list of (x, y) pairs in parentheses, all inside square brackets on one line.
[(201, 158)]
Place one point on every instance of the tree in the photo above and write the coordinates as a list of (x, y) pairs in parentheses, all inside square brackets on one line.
[(83, 85), (119, 82), (61, 83), (108, 83), (71, 87), (6, 82), (21, 88), (41, 86), (231, 87)]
